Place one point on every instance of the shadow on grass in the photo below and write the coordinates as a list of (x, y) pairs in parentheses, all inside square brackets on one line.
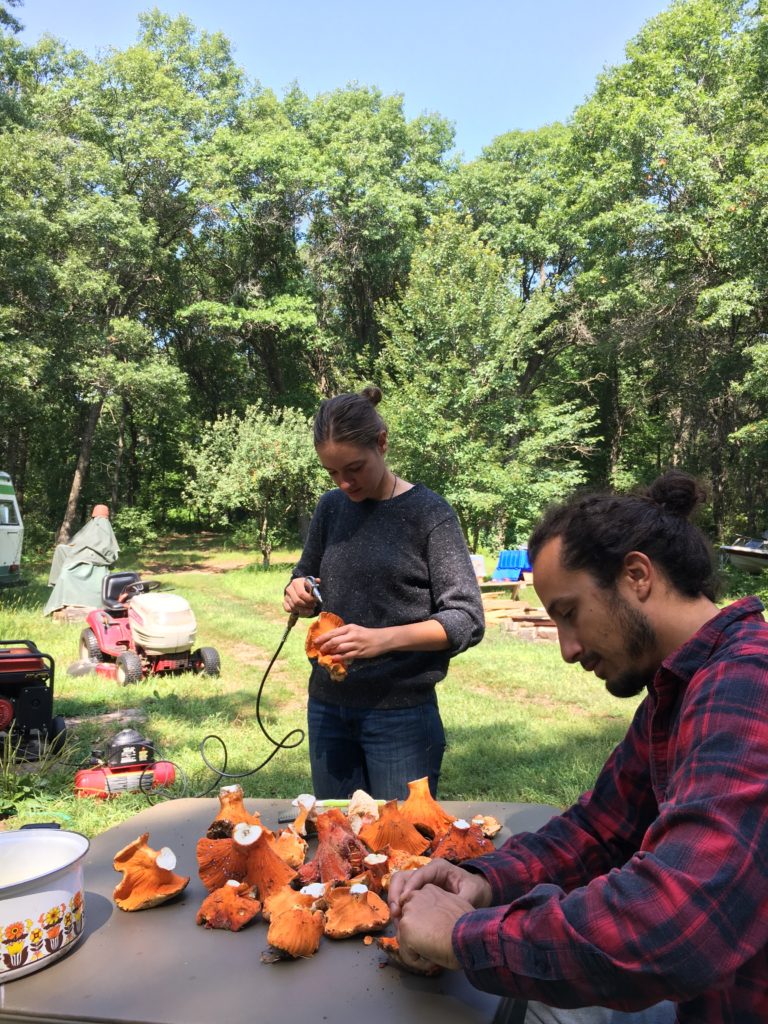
[(222, 711), (508, 765)]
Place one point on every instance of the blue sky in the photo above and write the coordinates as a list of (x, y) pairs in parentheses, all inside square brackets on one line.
[(489, 67)]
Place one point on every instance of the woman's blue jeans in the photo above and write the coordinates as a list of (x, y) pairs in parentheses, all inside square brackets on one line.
[(379, 751)]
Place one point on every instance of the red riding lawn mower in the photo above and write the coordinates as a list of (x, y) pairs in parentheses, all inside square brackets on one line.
[(139, 633)]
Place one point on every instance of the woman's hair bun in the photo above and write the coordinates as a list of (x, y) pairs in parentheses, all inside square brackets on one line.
[(372, 393), (677, 493)]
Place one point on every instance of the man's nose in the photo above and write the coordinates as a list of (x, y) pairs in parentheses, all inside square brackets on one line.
[(570, 648)]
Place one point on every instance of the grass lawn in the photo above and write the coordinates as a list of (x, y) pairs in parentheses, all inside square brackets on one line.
[(521, 725)]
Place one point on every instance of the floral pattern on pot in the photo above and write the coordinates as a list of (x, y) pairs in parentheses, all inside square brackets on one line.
[(25, 941)]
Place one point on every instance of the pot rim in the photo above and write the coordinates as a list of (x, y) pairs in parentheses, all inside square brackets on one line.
[(66, 864)]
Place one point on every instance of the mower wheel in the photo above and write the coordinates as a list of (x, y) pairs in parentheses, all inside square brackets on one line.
[(207, 661), (89, 646), (57, 733), (128, 668)]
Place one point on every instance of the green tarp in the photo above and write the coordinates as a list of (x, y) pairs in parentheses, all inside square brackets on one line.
[(79, 567)]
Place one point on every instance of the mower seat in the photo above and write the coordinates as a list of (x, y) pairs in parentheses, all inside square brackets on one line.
[(113, 585)]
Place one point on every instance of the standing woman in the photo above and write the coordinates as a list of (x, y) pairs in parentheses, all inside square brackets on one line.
[(393, 565)]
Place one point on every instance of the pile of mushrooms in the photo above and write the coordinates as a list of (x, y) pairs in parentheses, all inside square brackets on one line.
[(250, 871)]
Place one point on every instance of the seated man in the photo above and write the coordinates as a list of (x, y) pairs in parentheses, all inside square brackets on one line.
[(79, 566), (650, 894)]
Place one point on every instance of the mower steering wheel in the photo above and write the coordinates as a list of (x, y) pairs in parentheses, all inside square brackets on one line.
[(139, 587)]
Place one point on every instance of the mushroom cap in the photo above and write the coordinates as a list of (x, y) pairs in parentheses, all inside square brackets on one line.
[(392, 830), (148, 877), (422, 810), (324, 623), (354, 909), (263, 867), (489, 825), (288, 899), (219, 860), (461, 842), (291, 847), (230, 907), (296, 932), (232, 806), (361, 810)]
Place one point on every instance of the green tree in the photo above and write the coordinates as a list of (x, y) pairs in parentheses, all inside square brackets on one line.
[(379, 178), (462, 423), (263, 465)]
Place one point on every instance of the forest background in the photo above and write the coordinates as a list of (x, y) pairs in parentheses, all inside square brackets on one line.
[(188, 263)]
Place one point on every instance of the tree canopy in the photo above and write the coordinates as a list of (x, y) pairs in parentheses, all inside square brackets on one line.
[(188, 263)]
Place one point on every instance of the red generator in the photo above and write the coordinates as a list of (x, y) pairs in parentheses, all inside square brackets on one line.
[(26, 699)]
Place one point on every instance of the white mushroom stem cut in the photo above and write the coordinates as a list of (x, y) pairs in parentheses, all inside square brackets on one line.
[(306, 800), (315, 890), (461, 824), (166, 858), (375, 859), (246, 835)]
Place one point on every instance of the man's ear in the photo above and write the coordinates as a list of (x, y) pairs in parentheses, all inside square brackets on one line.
[(638, 574)]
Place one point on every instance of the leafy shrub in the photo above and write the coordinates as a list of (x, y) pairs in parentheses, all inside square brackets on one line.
[(134, 526)]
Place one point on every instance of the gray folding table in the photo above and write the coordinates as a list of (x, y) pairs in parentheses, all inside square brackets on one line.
[(159, 967)]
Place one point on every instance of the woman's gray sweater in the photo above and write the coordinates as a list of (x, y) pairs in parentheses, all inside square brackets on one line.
[(390, 563)]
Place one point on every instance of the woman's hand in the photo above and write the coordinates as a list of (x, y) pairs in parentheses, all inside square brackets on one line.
[(350, 641), (298, 598)]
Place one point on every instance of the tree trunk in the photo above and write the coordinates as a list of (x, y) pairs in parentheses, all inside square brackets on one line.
[(118, 461), (264, 542), (81, 471)]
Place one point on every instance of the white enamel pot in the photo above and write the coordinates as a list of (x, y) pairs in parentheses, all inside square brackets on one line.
[(41, 898)]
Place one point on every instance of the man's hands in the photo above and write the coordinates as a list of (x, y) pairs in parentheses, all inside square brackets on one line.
[(471, 888), (426, 927), (427, 903)]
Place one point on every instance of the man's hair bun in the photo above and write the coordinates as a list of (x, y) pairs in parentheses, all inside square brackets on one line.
[(372, 393), (677, 493)]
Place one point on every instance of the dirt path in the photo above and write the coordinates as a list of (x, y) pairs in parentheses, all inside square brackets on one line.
[(211, 566)]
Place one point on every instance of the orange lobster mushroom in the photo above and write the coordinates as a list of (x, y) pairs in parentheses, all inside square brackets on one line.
[(394, 831), (231, 907), (294, 933), (264, 868), (488, 825), (339, 854), (423, 811), (148, 877), (232, 807), (291, 847), (289, 899), (354, 909), (461, 842), (324, 623), (218, 861)]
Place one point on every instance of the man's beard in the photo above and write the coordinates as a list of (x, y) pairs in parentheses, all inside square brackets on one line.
[(640, 640)]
